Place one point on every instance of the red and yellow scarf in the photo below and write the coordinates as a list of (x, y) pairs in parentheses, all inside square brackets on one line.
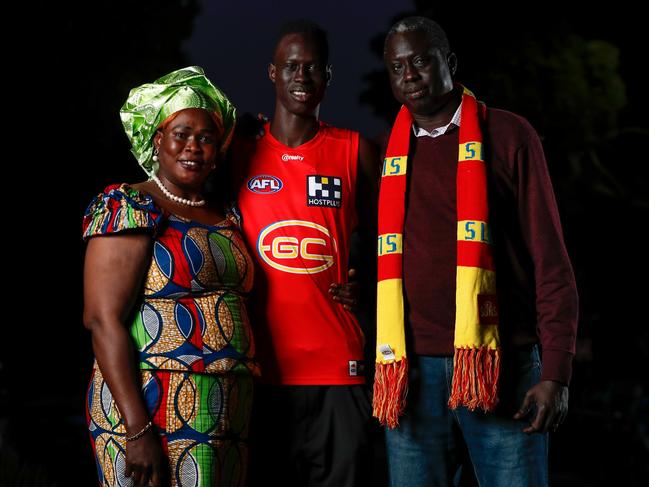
[(477, 349)]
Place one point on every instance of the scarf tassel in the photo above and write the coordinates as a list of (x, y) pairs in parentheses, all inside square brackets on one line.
[(475, 378), (390, 390)]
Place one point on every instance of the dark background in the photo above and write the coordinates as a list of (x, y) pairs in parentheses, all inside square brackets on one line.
[(577, 74)]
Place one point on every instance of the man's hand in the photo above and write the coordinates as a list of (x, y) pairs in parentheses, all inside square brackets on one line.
[(346, 294), (551, 401)]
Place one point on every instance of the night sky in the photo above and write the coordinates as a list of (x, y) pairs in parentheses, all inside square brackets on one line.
[(252, 27)]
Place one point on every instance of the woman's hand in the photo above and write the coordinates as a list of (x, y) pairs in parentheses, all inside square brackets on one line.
[(146, 462)]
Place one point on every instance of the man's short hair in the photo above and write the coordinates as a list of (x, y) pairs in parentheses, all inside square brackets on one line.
[(308, 29), (432, 29)]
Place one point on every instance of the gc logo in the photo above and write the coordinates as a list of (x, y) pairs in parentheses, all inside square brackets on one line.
[(297, 247)]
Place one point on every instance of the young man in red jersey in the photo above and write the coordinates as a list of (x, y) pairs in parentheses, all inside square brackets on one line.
[(302, 189)]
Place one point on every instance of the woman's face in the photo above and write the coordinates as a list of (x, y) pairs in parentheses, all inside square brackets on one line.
[(188, 148)]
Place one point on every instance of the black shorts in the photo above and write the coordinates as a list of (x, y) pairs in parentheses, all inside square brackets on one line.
[(310, 436)]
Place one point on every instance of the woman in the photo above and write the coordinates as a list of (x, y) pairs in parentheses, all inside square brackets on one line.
[(164, 283)]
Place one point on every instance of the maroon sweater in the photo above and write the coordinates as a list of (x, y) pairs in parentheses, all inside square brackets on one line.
[(536, 286)]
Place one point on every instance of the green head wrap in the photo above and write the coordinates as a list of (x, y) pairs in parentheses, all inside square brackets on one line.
[(149, 105)]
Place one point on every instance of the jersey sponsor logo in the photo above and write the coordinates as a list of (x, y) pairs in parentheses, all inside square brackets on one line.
[(356, 368), (297, 247), (292, 157), (324, 191), (265, 184)]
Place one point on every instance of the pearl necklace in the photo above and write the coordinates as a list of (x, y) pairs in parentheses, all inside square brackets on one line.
[(173, 197)]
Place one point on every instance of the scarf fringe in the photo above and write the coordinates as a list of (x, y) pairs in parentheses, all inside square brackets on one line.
[(475, 378), (390, 390)]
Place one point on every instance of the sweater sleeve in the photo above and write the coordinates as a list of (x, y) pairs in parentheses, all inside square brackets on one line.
[(556, 290)]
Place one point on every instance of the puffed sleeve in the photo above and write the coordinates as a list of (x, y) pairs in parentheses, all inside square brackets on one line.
[(119, 208)]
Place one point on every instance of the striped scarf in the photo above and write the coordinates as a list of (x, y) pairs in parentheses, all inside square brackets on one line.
[(477, 352)]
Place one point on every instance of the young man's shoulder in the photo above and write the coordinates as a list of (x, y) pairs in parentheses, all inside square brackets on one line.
[(339, 133)]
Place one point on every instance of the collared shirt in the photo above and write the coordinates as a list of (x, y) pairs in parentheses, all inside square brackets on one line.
[(457, 118)]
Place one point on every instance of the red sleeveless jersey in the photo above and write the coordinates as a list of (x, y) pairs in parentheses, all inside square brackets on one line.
[(298, 209)]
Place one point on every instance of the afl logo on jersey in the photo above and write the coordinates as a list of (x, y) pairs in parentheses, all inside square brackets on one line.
[(297, 247), (265, 184)]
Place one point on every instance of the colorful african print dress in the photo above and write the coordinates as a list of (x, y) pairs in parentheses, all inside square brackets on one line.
[(192, 333)]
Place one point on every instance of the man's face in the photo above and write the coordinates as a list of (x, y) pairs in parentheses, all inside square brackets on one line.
[(299, 73), (420, 75)]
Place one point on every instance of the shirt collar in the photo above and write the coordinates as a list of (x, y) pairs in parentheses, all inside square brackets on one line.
[(436, 132)]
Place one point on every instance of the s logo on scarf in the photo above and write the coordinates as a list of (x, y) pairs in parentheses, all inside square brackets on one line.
[(476, 364)]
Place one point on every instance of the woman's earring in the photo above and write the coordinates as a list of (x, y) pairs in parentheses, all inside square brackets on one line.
[(155, 155)]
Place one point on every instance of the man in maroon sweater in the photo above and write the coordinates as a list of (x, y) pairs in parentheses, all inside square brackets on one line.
[(536, 288)]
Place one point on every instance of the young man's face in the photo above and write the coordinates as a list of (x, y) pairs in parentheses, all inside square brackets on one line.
[(420, 75), (299, 73)]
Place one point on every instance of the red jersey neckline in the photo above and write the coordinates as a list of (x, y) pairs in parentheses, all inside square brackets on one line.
[(308, 145)]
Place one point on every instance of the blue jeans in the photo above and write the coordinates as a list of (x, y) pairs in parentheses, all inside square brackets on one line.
[(430, 444)]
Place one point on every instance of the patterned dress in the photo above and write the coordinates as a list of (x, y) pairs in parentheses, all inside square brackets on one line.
[(195, 348)]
